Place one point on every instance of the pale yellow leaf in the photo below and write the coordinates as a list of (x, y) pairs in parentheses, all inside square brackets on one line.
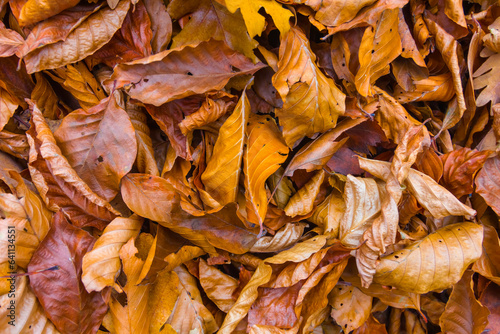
[(102, 264)]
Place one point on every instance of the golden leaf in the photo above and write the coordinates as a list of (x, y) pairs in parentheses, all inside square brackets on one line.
[(312, 101), (222, 173), (101, 265), (254, 21), (433, 263)]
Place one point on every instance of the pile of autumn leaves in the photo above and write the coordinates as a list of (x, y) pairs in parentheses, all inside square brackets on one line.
[(264, 166)]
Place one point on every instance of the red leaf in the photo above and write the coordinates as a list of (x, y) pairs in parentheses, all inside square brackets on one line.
[(62, 294)]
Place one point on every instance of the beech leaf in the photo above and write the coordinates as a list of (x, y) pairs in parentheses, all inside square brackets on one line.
[(61, 292), (433, 263)]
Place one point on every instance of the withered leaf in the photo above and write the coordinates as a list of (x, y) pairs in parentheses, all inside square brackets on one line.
[(435, 262), (222, 173), (265, 151), (58, 184), (60, 291), (100, 145), (80, 43), (182, 72), (312, 101), (463, 305)]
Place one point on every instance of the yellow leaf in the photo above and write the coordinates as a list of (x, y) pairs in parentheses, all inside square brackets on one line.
[(363, 201), (329, 213), (190, 314), (312, 101), (102, 264), (284, 238), (134, 316), (210, 19), (433, 197), (254, 21), (379, 46), (25, 241), (218, 286), (302, 202), (81, 83), (433, 263), (29, 316), (265, 152), (162, 299), (34, 11), (222, 174), (335, 12)]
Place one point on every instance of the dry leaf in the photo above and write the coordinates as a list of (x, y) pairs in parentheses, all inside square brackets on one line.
[(434, 263)]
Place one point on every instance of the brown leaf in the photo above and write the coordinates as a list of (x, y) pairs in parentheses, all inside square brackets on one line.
[(29, 315), (363, 200), (275, 307), (302, 202), (335, 12), (489, 298), (58, 184), (10, 41), (314, 155), (460, 168), (161, 24), (14, 144), (145, 160), (433, 197), (57, 27), (182, 72), (301, 84), (284, 238), (486, 182), (329, 213), (62, 294), (433, 263), (463, 312), (100, 145), (189, 312), (449, 49), (132, 41), (484, 77), (371, 326), (149, 196), (7, 108), (210, 111), (488, 265), (262, 275), (83, 41)]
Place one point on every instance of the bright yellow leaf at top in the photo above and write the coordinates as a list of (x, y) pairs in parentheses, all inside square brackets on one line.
[(254, 21)]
